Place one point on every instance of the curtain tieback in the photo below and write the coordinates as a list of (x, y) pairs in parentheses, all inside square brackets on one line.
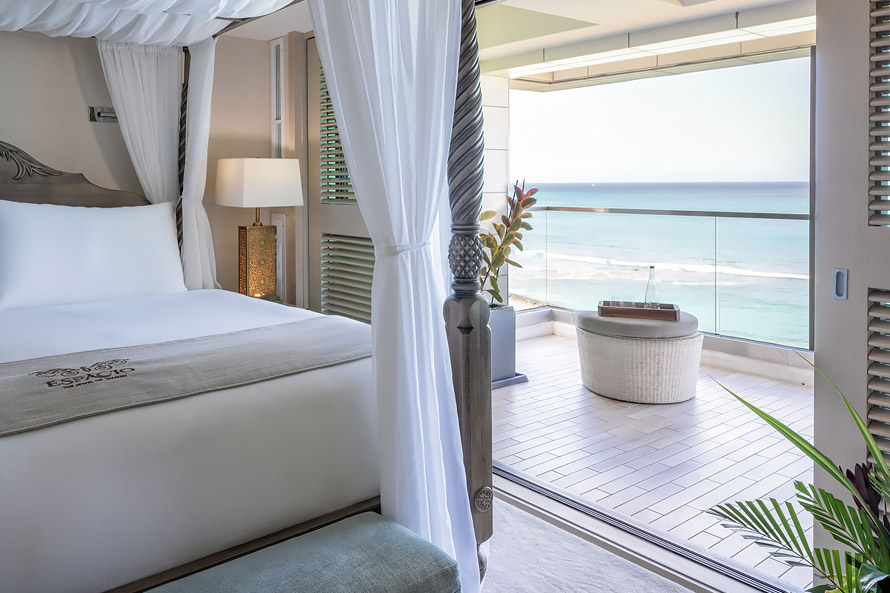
[(400, 249)]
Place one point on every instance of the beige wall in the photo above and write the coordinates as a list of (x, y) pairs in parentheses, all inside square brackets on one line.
[(240, 126), (843, 237), (48, 84)]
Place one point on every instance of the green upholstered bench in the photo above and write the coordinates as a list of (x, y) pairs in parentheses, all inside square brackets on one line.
[(364, 553)]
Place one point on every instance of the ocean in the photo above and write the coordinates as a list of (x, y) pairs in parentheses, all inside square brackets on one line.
[(746, 278)]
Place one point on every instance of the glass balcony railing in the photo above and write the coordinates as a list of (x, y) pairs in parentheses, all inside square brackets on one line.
[(743, 274)]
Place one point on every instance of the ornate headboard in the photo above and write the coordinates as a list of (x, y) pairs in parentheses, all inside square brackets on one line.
[(25, 179)]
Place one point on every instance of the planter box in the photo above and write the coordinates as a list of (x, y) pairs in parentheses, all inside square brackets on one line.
[(503, 348)]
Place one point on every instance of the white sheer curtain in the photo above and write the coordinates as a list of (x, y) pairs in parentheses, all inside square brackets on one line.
[(198, 260), (150, 22), (144, 84), (64, 18), (391, 66), (205, 9)]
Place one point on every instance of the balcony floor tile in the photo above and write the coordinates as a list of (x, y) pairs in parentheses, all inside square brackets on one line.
[(661, 464)]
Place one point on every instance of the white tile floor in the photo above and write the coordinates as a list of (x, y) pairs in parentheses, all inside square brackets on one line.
[(663, 465)]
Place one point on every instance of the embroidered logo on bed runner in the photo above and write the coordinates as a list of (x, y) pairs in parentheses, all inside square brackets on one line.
[(99, 371)]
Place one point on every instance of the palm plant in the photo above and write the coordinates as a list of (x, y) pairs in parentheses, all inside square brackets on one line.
[(864, 566), (507, 235)]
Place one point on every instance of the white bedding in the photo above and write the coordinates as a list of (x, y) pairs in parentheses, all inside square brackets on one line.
[(60, 329), (99, 502)]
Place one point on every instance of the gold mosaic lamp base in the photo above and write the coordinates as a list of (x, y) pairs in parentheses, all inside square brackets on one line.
[(257, 265)]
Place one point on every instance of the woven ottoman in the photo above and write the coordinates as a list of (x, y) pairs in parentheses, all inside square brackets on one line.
[(639, 360)]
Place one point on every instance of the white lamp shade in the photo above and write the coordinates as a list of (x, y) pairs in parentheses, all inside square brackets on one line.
[(259, 183)]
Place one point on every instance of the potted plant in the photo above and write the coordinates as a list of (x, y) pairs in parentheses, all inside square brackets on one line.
[(863, 564), (498, 245)]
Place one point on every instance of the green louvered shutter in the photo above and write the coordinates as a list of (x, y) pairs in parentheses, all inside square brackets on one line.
[(335, 182), (341, 254), (347, 269)]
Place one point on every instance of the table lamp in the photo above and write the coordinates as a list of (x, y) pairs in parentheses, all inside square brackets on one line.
[(258, 183)]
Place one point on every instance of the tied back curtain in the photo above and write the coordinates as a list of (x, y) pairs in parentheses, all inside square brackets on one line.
[(391, 66), (143, 81)]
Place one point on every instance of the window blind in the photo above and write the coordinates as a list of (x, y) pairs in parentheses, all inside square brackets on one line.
[(347, 270), (879, 198), (335, 183), (879, 368)]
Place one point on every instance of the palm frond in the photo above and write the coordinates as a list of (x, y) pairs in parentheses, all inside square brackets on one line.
[(861, 530), (778, 530), (846, 524)]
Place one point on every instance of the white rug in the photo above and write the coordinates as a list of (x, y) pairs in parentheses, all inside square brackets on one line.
[(529, 555)]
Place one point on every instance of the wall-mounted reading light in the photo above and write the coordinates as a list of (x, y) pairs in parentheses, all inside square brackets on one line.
[(103, 114)]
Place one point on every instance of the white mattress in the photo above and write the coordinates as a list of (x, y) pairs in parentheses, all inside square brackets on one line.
[(95, 503)]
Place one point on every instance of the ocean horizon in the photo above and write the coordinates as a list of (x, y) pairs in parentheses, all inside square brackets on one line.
[(741, 277)]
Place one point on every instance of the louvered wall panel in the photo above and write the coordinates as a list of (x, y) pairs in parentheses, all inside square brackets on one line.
[(879, 198), (347, 269), (335, 182), (879, 367)]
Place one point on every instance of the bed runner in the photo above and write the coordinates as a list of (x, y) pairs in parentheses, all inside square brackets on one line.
[(41, 392)]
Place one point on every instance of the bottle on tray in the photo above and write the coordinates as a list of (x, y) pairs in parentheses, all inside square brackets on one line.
[(651, 300)]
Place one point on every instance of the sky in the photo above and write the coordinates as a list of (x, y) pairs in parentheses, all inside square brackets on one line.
[(746, 123)]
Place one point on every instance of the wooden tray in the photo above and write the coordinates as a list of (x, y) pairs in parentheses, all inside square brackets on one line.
[(664, 312)]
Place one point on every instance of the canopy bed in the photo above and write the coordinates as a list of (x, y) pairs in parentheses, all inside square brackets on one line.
[(95, 497), (187, 482)]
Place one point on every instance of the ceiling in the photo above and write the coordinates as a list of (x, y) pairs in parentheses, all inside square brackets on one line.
[(515, 26), (586, 19), (503, 29), (295, 17)]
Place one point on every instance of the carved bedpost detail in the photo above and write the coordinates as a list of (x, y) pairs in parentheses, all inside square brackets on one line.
[(466, 312)]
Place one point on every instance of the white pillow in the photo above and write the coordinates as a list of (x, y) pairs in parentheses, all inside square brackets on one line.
[(53, 255)]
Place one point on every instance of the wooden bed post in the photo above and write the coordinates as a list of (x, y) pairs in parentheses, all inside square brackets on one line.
[(183, 126), (466, 312)]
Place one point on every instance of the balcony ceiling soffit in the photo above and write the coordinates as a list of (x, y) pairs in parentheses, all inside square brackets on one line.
[(611, 17), (505, 30)]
